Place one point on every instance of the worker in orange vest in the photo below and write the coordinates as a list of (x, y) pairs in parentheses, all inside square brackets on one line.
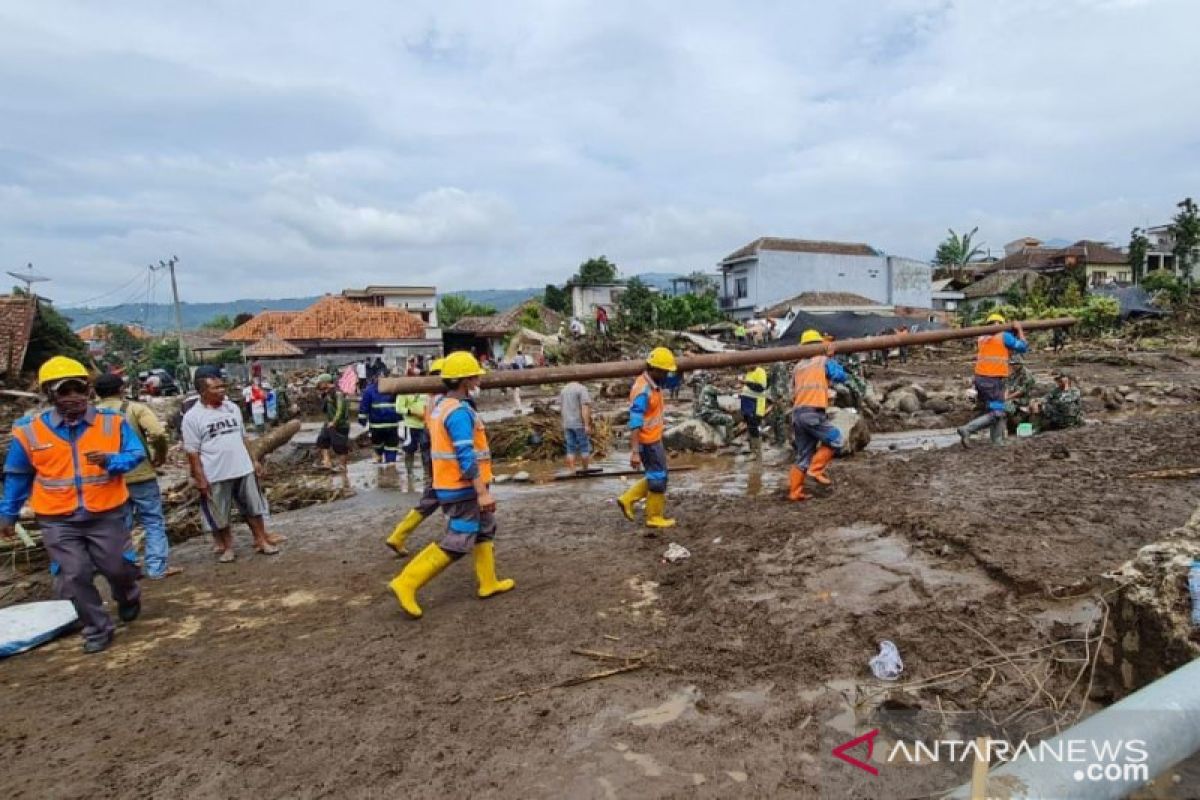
[(816, 441), (646, 449), (462, 475), (69, 463), (991, 379)]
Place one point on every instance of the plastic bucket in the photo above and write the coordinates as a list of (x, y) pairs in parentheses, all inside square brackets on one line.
[(1025, 429)]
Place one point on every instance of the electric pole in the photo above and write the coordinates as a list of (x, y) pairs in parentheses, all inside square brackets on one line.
[(170, 266)]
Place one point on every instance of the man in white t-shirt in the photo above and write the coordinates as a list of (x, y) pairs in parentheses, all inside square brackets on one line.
[(223, 468)]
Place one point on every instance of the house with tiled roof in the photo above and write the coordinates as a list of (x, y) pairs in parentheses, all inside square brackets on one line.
[(1101, 262), (489, 334), (770, 270), (335, 326), (17, 315)]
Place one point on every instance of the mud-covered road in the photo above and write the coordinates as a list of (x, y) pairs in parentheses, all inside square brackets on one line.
[(296, 676)]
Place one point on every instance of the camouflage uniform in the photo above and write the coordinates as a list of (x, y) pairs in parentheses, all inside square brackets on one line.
[(851, 393), (777, 421), (708, 409), (1062, 408), (1018, 408)]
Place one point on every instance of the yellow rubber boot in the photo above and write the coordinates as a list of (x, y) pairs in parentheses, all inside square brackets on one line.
[(402, 530), (632, 495), (656, 503), (820, 460), (485, 571), (420, 571)]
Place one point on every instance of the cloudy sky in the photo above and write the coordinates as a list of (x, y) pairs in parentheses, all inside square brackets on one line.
[(291, 148)]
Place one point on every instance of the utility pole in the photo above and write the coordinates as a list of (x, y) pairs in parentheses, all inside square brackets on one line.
[(170, 266)]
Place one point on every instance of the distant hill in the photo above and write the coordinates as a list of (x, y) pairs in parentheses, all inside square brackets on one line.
[(161, 316)]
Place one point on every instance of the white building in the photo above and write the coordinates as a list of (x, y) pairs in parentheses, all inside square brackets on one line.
[(584, 299), (768, 271), (418, 300)]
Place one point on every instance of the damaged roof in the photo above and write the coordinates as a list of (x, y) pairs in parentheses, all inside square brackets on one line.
[(800, 246)]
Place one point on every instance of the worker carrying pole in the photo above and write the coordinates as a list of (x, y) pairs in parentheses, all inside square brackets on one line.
[(817, 442), (991, 380), (646, 446)]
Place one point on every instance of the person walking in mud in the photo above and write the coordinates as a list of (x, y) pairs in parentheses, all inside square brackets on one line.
[(335, 433), (69, 463), (462, 476), (416, 417), (991, 379), (753, 401), (816, 440), (646, 447)]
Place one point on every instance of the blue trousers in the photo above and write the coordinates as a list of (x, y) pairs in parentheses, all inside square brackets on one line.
[(145, 500)]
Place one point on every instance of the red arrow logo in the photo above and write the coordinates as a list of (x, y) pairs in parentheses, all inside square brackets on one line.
[(869, 738)]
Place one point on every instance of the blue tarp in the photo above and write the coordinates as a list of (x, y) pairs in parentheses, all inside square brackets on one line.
[(1135, 301)]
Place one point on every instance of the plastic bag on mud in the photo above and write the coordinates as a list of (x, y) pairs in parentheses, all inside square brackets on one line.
[(887, 666), (676, 553)]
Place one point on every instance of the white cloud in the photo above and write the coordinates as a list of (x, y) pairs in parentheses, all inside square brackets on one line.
[(283, 150)]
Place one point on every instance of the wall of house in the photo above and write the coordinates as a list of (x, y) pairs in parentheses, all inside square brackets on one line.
[(424, 307), (911, 282), (585, 298)]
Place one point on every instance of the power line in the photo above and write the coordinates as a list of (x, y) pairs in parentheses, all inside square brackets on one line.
[(137, 275)]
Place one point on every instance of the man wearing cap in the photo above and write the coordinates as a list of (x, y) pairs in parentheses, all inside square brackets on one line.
[(646, 449), (145, 497), (991, 379), (69, 464), (416, 415), (462, 475), (335, 434)]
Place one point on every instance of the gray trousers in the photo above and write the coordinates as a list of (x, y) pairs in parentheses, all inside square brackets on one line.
[(810, 429), (467, 526), (428, 502), (83, 547)]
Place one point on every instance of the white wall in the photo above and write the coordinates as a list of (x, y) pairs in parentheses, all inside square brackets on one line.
[(585, 298), (911, 282)]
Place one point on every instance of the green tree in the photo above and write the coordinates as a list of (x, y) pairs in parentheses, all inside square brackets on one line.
[(956, 252), (164, 354), (596, 271), (230, 355), (51, 336), (1164, 282), (556, 298), (453, 307), (637, 307), (1138, 246), (221, 322), (1185, 228), (531, 318), (121, 346)]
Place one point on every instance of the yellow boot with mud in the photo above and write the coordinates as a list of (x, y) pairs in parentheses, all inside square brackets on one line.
[(633, 494), (656, 504), (820, 460), (402, 530), (420, 571), (796, 485), (485, 571)]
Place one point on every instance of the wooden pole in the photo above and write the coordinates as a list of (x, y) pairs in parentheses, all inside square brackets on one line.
[(738, 358)]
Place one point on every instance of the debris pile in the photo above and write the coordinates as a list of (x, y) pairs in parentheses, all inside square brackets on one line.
[(540, 436)]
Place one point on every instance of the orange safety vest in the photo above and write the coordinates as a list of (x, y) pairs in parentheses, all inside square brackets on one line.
[(64, 480), (991, 360), (446, 474), (652, 421), (810, 384)]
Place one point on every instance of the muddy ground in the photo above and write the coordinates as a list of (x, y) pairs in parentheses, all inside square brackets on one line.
[(296, 676)]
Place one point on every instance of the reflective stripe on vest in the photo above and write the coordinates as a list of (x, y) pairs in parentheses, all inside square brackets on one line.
[(446, 473), (991, 359), (652, 421), (64, 480), (810, 384)]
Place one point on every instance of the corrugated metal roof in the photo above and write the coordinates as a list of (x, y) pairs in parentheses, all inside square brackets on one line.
[(801, 246)]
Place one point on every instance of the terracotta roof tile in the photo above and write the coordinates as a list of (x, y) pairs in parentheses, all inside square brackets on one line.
[(508, 322), (333, 318), (16, 324), (271, 346), (263, 323), (97, 333), (1101, 253)]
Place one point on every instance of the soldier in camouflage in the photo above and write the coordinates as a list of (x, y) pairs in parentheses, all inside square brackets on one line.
[(1063, 407), (779, 400), (707, 407), (1018, 393)]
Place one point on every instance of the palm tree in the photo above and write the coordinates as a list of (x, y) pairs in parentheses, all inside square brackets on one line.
[(956, 252)]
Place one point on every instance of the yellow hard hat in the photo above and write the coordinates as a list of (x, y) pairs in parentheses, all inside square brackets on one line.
[(461, 365), (996, 318), (662, 358), (435, 366), (811, 336), (61, 368)]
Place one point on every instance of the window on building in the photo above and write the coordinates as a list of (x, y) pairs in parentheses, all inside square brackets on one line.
[(1099, 278), (741, 288), (1122, 277)]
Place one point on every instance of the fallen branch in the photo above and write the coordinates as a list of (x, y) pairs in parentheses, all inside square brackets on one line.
[(595, 676), (1181, 472)]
